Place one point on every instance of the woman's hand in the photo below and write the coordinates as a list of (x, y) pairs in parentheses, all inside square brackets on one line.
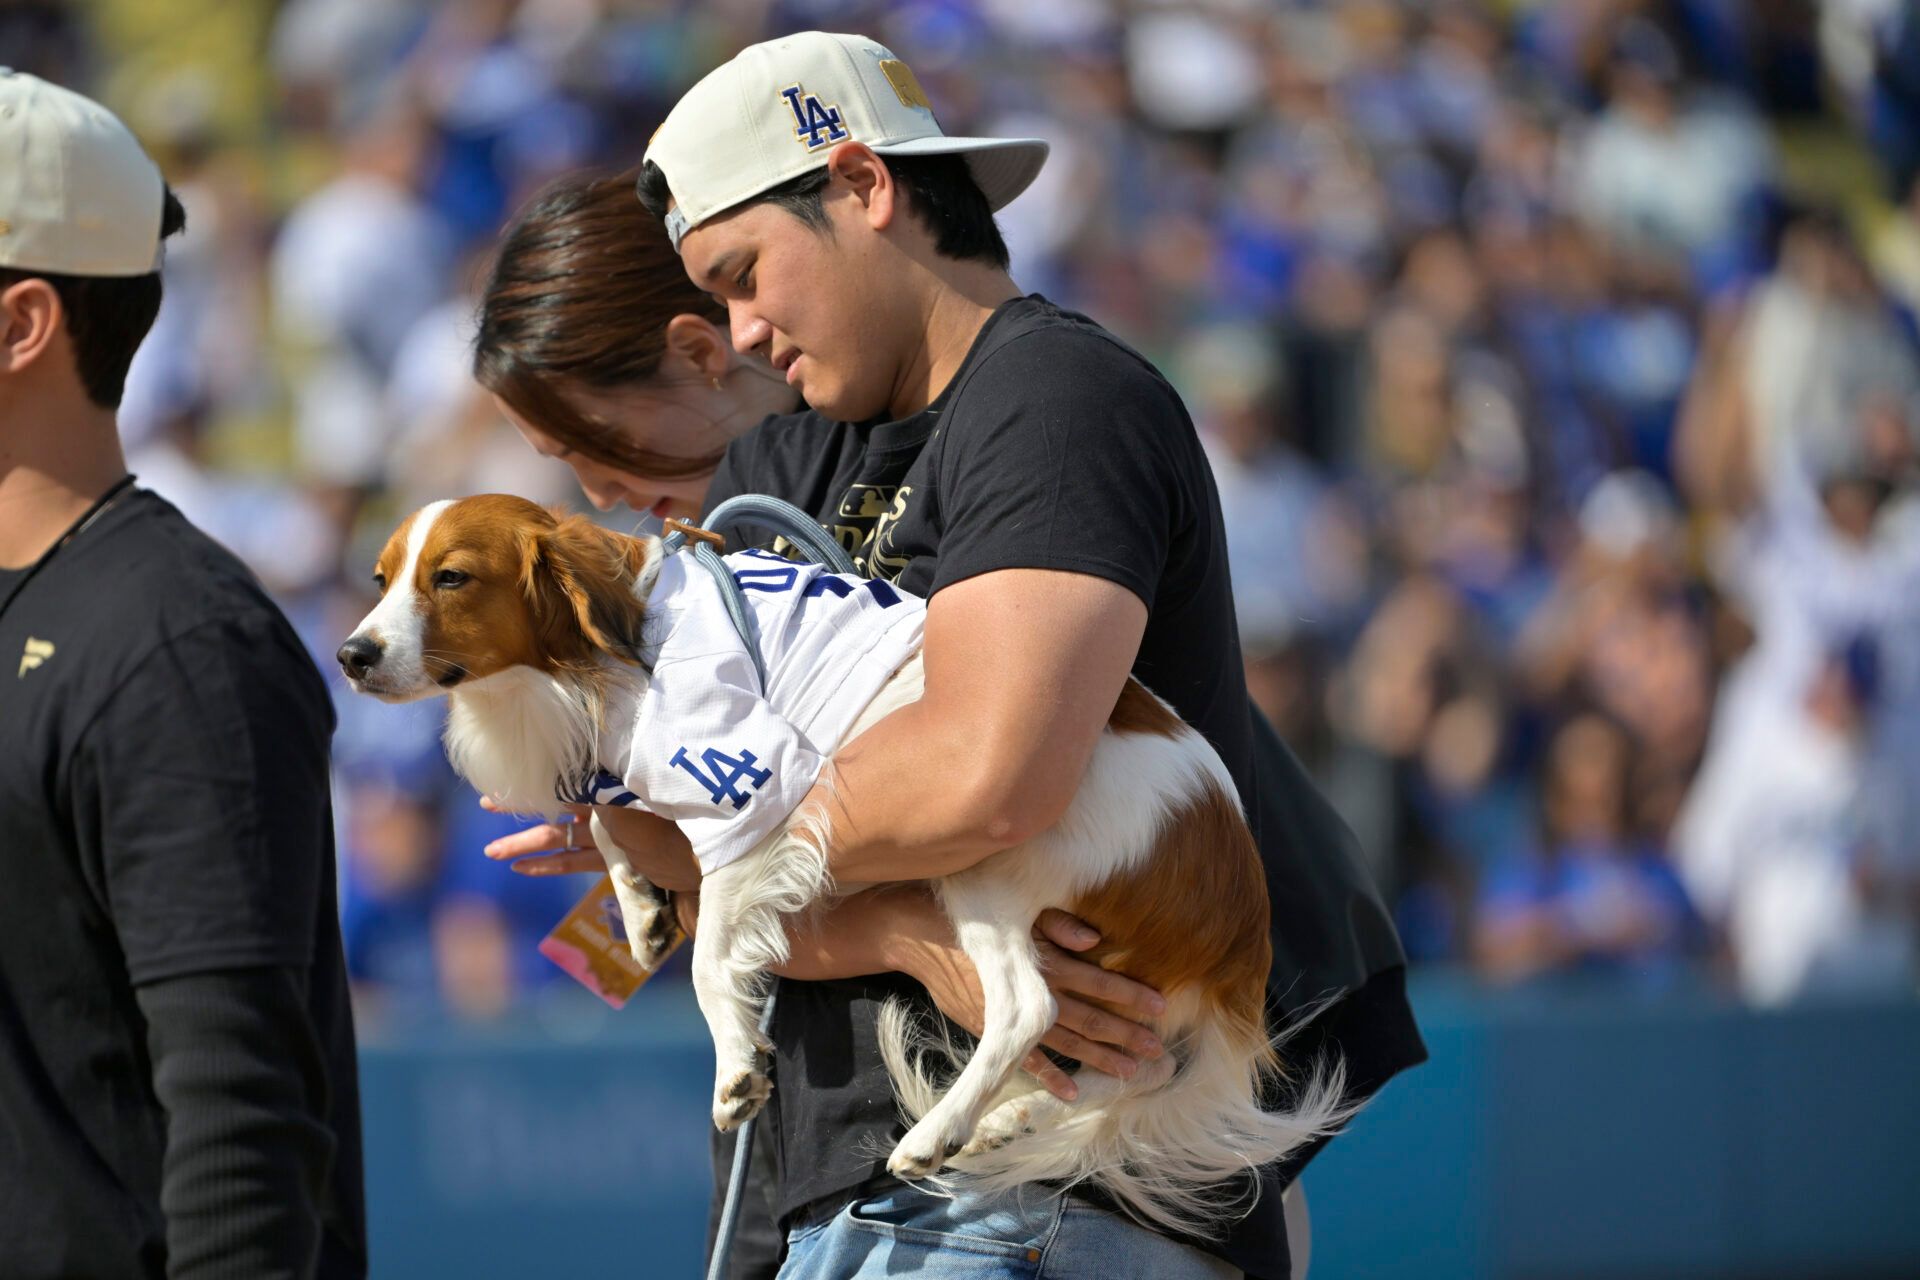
[(547, 848), (1109, 1041), (657, 849)]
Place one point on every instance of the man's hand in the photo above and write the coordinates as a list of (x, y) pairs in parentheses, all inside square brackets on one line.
[(902, 929), (1106, 1041), (659, 851)]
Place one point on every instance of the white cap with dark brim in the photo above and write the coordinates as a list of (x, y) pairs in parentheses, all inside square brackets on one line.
[(78, 196), (775, 110)]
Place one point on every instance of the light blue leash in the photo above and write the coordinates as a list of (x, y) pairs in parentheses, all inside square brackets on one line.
[(797, 527)]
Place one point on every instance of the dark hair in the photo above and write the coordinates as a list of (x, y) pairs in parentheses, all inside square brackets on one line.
[(581, 290), (941, 194), (107, 316)]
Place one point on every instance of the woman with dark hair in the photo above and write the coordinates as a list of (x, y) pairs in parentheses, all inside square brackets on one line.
[(600, 351)]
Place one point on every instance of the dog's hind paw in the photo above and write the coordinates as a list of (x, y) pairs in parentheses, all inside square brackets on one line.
[(999, 1127), (923, 1151)]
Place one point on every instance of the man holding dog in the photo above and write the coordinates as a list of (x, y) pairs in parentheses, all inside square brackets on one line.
[(1043, 486), (177, 1079)]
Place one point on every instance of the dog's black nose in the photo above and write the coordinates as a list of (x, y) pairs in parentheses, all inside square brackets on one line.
[(358, 656)]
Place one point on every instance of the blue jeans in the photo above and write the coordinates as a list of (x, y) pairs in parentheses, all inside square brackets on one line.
[(1033, 1235)]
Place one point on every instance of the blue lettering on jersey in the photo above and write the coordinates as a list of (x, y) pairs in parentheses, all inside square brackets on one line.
[(727, 771), (767, 579), (814, 122), (826, 584)]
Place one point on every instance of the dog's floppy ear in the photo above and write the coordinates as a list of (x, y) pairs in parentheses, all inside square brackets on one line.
[(587, 584)]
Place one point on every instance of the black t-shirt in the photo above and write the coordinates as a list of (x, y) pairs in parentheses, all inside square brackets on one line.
[(166, 866), (1055, 446)]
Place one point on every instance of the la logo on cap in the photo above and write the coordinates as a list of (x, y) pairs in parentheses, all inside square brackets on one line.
[(816, 123)]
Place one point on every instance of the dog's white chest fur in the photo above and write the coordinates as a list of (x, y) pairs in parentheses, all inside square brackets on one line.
[(517, 734)]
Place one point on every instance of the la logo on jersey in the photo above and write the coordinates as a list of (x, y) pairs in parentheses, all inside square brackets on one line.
[(727, 774), (815, 123)]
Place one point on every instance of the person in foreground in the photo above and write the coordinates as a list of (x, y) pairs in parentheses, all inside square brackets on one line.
[(177, 1079), (1042, 484), (600, 351)]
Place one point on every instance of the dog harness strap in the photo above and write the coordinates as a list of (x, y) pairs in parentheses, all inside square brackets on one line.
[(736, 601)]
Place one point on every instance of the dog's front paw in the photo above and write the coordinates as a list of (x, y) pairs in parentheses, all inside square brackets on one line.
[(742, 1087), (922, 1152), (738, 1097)]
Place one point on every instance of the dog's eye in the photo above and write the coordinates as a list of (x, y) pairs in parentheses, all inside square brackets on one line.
[(380, 581), (447, 579)]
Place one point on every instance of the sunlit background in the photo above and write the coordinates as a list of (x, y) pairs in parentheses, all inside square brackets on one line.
[(1558, 366)]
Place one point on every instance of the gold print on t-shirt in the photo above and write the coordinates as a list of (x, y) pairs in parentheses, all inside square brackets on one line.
[(882, 562), (865, 502), (863, 508), (38, 651)]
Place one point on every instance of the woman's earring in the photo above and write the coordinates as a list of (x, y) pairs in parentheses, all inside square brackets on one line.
[(716, 383)]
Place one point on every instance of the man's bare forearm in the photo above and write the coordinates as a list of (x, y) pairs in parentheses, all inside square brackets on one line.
[(878, 931), (907, 801)]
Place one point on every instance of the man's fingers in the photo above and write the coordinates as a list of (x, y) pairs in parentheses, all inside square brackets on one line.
[(1090, 1053), (1066, 931), (560, 864), (1051, 1077), (1098, 1025), (1066, 974)]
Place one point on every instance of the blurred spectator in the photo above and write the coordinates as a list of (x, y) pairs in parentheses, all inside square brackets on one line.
[(1297, 549), (448, 441), (355, 266), (1589, 895), (1653, 128), (46, 38), (1773, 844), (1622, 633), (1812, 346), (1426, 718)]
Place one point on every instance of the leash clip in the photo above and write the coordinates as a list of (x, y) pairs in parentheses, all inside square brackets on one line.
[(691, 533)]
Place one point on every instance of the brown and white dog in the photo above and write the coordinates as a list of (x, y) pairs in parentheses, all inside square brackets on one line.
[(533, 626)]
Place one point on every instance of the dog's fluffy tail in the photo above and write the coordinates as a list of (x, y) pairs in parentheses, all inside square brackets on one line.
[(1161, 1150)]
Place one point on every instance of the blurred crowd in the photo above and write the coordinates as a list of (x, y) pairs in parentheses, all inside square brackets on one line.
[(1558, 364)]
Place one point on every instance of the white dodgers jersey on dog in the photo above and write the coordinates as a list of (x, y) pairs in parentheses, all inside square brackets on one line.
[(708, 749)]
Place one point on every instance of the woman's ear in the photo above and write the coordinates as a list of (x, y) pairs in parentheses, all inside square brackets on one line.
[(583, 583), (696, 349)]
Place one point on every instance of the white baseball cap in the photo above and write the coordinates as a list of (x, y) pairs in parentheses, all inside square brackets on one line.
[(77, 194), (777, 108)]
